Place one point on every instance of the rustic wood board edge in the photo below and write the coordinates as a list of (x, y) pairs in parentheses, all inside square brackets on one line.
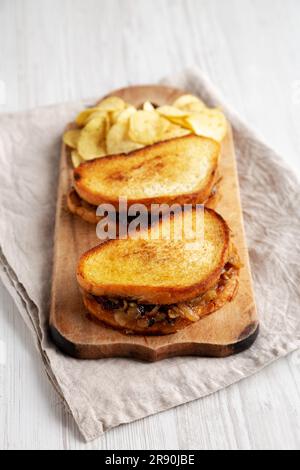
[(90, 351)]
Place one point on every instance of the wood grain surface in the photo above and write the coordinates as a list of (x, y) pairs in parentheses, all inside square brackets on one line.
[(249, 48), (230, 330)]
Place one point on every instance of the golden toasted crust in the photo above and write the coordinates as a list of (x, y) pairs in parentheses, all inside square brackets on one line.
[(159, 271), (134, 326), (87, 212), (180, 170), (77, 206), (213, 200)]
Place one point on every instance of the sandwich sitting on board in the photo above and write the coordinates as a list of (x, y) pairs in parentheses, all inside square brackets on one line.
[(125, 141), (156, 285), (181, 170)]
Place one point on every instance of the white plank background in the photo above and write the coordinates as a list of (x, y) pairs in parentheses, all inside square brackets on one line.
[(58, 50)]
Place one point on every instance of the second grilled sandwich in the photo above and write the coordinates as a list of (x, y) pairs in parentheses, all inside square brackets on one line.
[(181, 170), (159, 286)]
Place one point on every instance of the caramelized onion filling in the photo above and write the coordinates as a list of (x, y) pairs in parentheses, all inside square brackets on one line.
[(148, 314)]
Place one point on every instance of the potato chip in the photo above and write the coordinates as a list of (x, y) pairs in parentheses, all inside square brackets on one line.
[(114, 116), (100, 122), (98, 113), (195, 107), (174, 115), (91, 143), (171, 112), (96, 118), (114, 126), (189, 103), (210, 123), (71, 138), (148, 106), (174, 131), (112, 103), (117, 140), (146, 127), (76, 158), (83, 117), (124, 115)]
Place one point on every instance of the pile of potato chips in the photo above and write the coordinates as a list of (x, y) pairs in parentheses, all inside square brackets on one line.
[(113, 126)]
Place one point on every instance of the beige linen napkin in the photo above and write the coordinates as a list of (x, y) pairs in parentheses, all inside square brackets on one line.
[(105, 393)]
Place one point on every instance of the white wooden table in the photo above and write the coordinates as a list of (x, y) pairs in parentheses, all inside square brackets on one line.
[(56, 50)]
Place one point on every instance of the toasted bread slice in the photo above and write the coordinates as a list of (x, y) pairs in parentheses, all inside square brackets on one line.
[(87, 211), (215, 299), (180, 170), (83, 209), (160, 269)]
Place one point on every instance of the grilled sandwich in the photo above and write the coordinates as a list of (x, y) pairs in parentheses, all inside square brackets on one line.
[(158, 285), (181, 170)]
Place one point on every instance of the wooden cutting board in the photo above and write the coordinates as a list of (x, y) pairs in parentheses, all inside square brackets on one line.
[(230, 330)]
